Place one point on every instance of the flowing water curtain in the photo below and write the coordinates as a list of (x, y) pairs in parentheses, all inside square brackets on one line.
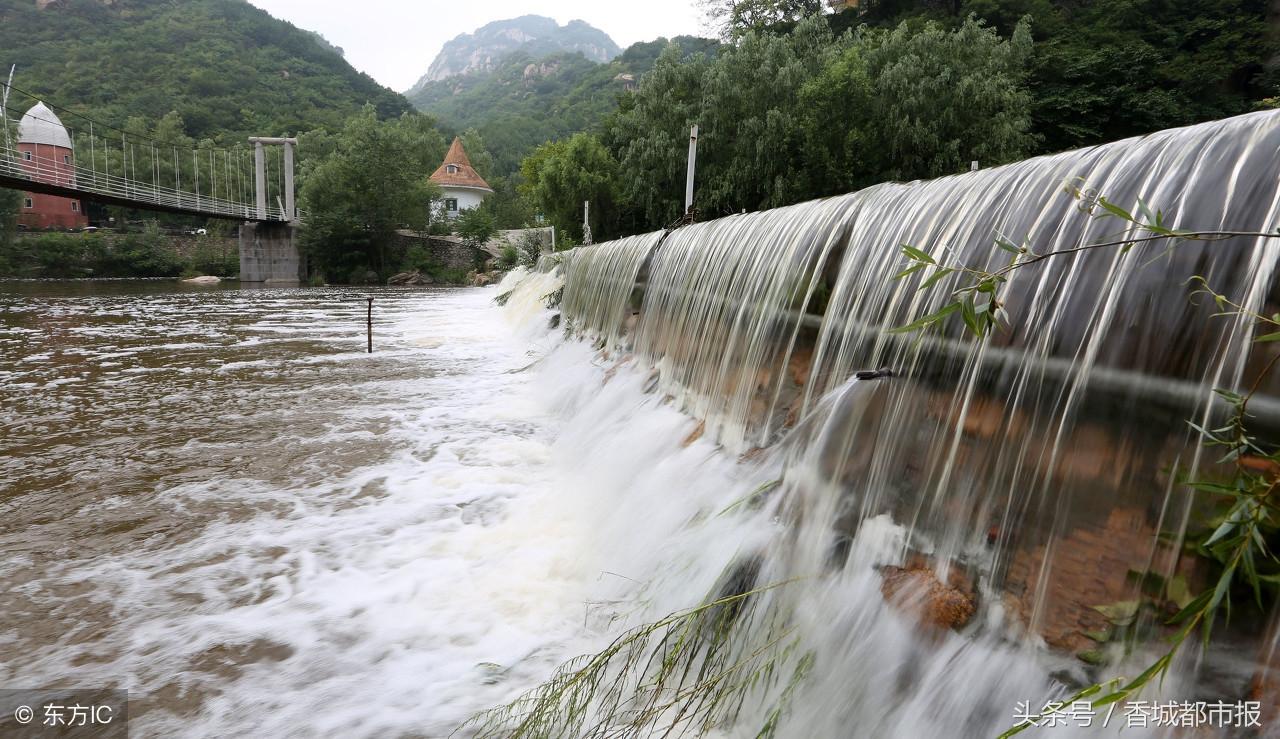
[(599, 286), (1046, 463), (724, 306), (1033, 471)]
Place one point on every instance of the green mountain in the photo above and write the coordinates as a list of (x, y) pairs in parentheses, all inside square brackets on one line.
[(536, 35), (525, 100), (227, 67)]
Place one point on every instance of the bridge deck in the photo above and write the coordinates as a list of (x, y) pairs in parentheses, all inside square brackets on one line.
[(74, 181)]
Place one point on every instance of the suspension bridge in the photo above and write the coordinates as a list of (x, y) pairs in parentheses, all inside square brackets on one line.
[(89, 160)]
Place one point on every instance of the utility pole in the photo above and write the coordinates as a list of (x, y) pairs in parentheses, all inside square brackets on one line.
[(4, 108), (693, 156)]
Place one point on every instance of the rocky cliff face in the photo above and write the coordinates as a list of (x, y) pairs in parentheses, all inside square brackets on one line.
[(537, 35)]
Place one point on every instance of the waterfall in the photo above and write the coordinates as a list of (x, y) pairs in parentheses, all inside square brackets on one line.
[(1034, 477), (599, 283)]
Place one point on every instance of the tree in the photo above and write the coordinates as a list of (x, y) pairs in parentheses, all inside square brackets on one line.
[(508, 204), (649, 137), (373, 183), (561, 175), (750, 135), (908, 104), (10, 202), (476, 227), (734, 18)]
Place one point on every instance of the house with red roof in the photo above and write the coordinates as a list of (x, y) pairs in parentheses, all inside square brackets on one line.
[(461, 186)]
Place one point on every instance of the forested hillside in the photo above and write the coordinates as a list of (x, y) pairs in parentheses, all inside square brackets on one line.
[(801, 103), (528, 100), (1102, 70), (225, 66)]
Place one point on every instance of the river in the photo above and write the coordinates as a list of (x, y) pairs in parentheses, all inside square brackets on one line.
[(216, 499)]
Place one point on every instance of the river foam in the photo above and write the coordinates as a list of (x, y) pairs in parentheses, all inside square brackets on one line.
[(301, 539)]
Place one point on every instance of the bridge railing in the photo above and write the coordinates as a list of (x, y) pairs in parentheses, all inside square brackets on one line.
[(15, 165)]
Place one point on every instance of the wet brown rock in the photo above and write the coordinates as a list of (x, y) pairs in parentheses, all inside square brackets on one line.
[(916, 590), (414, 278), (695, 434), (800, 364)]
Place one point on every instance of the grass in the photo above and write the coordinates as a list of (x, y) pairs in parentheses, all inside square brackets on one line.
[(687, 673)]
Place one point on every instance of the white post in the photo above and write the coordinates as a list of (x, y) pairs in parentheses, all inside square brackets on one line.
[(586, 221), (4, 108), (973, 166), (290, 205), (260, 178), (693, 156)]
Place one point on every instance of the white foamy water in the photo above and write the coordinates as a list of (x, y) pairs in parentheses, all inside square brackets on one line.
[(266, 536), (274, 539)]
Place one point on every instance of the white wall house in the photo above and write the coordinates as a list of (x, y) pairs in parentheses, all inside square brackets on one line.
[(461, 186)]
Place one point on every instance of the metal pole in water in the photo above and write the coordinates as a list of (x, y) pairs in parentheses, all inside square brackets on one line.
[(370, 320)]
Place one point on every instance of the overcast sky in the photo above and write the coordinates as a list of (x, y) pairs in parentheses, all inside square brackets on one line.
[(395, 40)]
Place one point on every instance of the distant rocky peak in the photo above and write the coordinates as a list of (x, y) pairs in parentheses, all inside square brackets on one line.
[(536, 35)]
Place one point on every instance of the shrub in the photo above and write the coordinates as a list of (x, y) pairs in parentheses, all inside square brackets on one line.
[(215, 258), (530, 248), (476, 226), (510, 257)]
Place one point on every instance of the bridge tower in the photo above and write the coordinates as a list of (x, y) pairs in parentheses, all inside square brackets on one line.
[(269, 249), (47, 154)]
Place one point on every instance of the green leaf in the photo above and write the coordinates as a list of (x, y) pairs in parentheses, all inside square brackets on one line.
[(1196, 605), (1265, 338), (1213, 487), (909, 270), (1224, 582), (916, 254), (1226, 527), (933, 279), (1228, 395), (1091, 657), (1178, 591), (1146, 211), (970, 316), (1007, 246), (928, 320), (1115, 210), (1102, 636), (1120, 613)]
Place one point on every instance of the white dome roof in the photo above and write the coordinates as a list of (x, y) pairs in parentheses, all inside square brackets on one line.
[(42, 126)]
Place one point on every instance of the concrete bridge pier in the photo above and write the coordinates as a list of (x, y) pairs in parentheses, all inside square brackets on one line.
[(269, 253)]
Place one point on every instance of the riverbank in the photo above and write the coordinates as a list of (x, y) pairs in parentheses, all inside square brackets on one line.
[(146, 253)]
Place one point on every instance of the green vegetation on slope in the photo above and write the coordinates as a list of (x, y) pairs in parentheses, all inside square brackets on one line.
[(225, 66), (900, 89), (1103, 70), (528, 100), (788, 117)]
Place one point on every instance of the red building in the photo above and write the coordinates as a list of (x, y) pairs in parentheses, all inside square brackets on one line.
[(48, 154)]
